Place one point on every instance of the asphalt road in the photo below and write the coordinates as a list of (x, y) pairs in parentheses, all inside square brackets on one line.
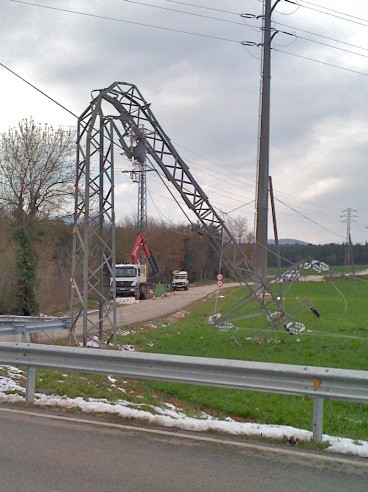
[(47, 452), (141, 311), (163, 306)]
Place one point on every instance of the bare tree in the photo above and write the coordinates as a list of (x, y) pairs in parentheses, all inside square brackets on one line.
[(238, 227), (36, 174), (36, 168)]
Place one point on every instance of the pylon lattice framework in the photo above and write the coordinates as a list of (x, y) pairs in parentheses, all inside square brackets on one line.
[(117, 117)]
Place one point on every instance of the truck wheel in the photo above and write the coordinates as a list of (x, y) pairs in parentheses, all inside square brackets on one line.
[(186, 287), (143, 292)]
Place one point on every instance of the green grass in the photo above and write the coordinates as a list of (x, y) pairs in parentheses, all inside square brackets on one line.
[(339, 338), (344, 314)]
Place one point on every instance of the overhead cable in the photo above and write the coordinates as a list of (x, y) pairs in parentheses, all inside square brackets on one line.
[(38, 90), (116, 19), (310, 220), (183, 12), (321, 62), (319, 35), (323, 44), (332, 10), (202, 7), (332, 15)]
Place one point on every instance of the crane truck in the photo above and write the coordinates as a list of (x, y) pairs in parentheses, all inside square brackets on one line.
[(131, 278)]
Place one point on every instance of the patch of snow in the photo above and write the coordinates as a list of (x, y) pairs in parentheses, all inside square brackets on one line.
[(128, 348), (125, 332), (8, 384), (94, 343), (12, 398), (348, 446), (171, 416), (11, 381), (150, 324), (126, 301), (179, 314)]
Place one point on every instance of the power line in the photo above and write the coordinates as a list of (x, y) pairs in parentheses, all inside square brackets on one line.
[(116, 19), (331, 15), (332, 10), (323, 44), (239, 23), (202, 7), (310, 220), (183, 12), (321, 62), (218, 192), (176, 30), (38, 90), (252, 181), (321, 36)]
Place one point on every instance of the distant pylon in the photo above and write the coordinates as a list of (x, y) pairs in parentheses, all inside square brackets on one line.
[(348, 217)]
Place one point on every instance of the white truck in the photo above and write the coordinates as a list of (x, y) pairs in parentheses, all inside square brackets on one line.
[(131, 280), (180, 280)]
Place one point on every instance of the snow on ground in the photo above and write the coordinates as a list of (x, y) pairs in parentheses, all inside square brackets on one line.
[(126, 300), (171, 416)]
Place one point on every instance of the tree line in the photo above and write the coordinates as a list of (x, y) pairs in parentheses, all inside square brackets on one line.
[(333, 254)]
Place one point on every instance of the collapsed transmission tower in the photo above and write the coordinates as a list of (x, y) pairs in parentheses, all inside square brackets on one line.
[(119, 120)]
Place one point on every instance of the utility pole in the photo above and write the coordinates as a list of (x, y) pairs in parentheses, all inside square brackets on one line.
[(261, 255), (348, 217)]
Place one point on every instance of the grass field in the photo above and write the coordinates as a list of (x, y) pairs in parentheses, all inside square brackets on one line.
[(339, 338)]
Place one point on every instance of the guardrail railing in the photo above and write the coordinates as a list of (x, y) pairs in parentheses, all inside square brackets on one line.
[(23, 325), (318, 383)]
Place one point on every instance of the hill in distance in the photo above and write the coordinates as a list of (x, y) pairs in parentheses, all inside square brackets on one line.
[(289, 241)]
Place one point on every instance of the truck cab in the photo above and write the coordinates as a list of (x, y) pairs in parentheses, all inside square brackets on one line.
[(180, 280), (131, 279)]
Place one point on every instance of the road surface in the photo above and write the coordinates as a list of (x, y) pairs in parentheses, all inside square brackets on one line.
[(139, 312), (42, 451)]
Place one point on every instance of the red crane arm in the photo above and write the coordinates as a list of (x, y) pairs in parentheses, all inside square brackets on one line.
[(140, 243)]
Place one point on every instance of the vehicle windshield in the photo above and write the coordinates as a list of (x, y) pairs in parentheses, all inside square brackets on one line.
[(180, 277), (126, 271)]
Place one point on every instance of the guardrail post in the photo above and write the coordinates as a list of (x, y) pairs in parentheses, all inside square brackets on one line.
[(24, 334), (317, 419), (30, 384)]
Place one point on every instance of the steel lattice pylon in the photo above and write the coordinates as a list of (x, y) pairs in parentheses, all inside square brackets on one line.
[(93, 261), (120, 120)]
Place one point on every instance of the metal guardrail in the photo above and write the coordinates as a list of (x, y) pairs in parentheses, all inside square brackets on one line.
[(316, 382), (22, 325)]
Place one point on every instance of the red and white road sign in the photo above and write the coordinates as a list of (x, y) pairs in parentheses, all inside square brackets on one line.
[(219, 283), (220, 276)]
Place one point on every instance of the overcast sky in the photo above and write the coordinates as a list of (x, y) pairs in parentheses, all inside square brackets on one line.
[(205, 94)]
